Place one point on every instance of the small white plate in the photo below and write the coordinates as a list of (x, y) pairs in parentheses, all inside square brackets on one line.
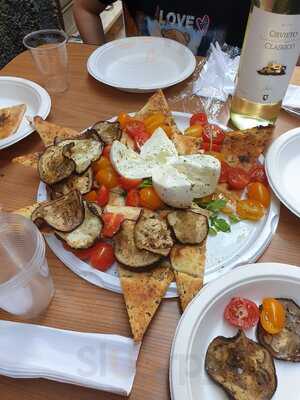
[(282, 168), (142, 63), (14, 91), (246, 242), (203, 321)]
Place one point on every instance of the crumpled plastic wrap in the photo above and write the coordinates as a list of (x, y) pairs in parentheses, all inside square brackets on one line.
[(211, 84)]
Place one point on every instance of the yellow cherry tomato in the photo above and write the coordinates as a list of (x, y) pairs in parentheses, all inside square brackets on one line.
[(123, 119), (167, 129), (250, 209), (107, 177), (154, 121), (102, 163), (150, 199), (91, 196), (194, 130), (216, 154), (272, 316), (258, 191)]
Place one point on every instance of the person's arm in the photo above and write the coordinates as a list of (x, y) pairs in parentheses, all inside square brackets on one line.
[(86, 15)]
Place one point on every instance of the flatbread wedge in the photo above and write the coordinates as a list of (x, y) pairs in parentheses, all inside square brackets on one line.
[(49, 131), (10, 119), (143, 292), (28, 160), (187, 287)]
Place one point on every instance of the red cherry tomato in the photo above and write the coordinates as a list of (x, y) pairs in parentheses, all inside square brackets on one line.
[(112, 223), (224, 172), (102, 196), (211, 147), (213, 133), (128, 184), (242, 313), (140, 139), (134, 127), (106, 151), (257, 174), (133, 198), (237, 178), (102, 256), (83, 254), (198, 119)]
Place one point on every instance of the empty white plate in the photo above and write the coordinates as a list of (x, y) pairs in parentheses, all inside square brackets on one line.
[(283, 166), (142, 63), (14, 91), (203, 321)]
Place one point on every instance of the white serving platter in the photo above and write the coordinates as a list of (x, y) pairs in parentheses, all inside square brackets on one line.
[(14, 91), (141, 64), (246, 243), (203, 321), (282, 168)]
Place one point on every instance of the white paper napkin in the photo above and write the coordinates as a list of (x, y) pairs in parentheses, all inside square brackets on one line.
[(104, 362), (291, 101)]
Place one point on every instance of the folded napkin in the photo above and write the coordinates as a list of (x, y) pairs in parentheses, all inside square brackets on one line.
[(291, 101), (104, 362)]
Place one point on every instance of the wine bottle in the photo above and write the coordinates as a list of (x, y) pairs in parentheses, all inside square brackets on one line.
[(270, 52)]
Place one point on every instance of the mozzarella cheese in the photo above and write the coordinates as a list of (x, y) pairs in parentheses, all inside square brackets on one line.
[(159, 149)]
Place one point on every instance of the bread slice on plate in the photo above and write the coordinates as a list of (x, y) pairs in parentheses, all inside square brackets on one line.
[(49, 132), (10, 119), (143, 292), (28, 160)]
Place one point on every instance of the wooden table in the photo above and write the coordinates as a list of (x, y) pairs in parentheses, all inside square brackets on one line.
[(78, 305)]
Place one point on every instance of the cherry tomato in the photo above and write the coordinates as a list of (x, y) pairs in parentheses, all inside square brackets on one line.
[(91, 196), (217, 155), (134, 127), (257, 174), (213, 133), (106, 151), (211, 147), (102, 163), (112, 223), (102, 256), (128, 184), (198, 119), (140, 139), (258, 191), (154, 121), (82, 254), (133, 198), (194, 131), (224, 172), (107, 177), (272, 316), (242, 313), (102, 196), (123, 119), (237, 178), (167, 129), (150, 199), (250, 209)]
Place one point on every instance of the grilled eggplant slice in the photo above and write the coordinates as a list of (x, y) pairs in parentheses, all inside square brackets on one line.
[(64, 214), (54, 166), (108, 131), (82, 151), (284, 345), (242, 367), (126, 251), (152, 233), (188, 227), (83, 183), (86, 234)]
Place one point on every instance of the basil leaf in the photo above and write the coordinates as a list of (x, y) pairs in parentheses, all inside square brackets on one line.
[(147, 182), (221, 225), (234, 219), (212, 231), (216, 205)]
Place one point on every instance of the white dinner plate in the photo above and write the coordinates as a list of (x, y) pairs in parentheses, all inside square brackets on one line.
[(246, 242), (142, 63), (14, 91), (203, 321), (283, 166)]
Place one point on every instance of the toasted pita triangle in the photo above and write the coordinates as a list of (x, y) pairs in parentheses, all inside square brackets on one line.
[(10, 119), (143, 292), (49, 131), (158, 103), (187, 287), (29, 160)]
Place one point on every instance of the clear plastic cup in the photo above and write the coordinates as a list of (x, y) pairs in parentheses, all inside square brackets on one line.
[(26, 287), (49, 51)]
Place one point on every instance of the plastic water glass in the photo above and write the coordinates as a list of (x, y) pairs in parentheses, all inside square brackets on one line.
[(26, 287), (49, 51)]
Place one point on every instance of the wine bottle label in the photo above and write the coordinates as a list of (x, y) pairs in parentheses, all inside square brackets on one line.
[(269, 55)]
